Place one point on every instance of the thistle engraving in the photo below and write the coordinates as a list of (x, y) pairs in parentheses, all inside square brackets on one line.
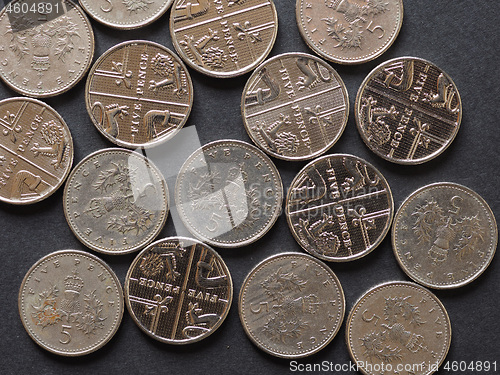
[(349, 32), (134, 6), (289, 314), (445, 232), (117, 183), (395, 338)]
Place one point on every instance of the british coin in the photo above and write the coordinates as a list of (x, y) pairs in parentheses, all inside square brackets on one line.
[(291, 305), (295, 106), (36, 150), (115, 201), (228, 193), (178, 290), (126, 14), (223, 39), (408, 111), (139, 94), (398, 327), (339, 207), (444, 235), (349, 31), (45, 54), (71, 303)]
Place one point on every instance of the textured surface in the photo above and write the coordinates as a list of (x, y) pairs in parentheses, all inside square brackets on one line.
[(454, 35)]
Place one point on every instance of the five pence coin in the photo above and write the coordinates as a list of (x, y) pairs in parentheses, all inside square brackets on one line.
[(71, 303), (398, 323), (291, 305), (444, 235), (115, 201), (178, 290)]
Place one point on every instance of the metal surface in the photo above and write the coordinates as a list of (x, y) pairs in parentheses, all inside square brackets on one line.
[(125, 14), (178, 290), (115, 201), (139, 93), (408, 111), (349, 31), (398, 324), (71, 303), (295, 106), (228, 193), (43, 55), (444, 235), (291, 305), (36, 150), (223, 38), (339, 207)]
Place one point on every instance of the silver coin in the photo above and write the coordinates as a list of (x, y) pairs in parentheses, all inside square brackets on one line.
[(178, 290), (115, 201), (295, 106), (398, 328), (291, 305), (444, 235), (71, 303), (228, 193)]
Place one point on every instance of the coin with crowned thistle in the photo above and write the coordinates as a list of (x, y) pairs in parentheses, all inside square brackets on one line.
[(291, 305), (444, 235), (339, 207), (71, 303), (45, 54), (125, 14), (178, 290), (115, 201), (408, 111), (223, 39), (398, 325), (349, 31), (36, 150), (139, 94), (228, 193), (295, 106)]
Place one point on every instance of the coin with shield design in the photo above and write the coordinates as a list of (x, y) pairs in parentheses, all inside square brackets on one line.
[(178, 290), (71, 303), (295, 106), (408, 111), (339, 207)]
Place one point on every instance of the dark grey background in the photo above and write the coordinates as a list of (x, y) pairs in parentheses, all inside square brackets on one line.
[(461, 37)]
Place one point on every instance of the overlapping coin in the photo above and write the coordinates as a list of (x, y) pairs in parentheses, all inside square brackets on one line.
[(115, 201), (339, 207), (178, 290), (349, 31), (398, 327), (46, 52), (36, 150), (444, 235), (408, 111), (228, 193), (223, 38), (71, 303), (139, 94), (291, 305), (126, 14), (295, 106)]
